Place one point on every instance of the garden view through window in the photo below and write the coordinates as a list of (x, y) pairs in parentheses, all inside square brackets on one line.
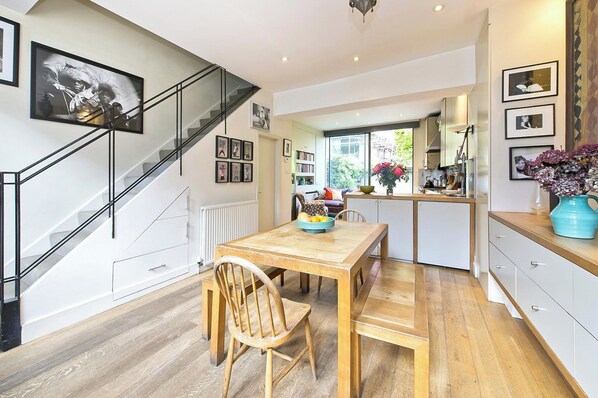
[(351, 158)]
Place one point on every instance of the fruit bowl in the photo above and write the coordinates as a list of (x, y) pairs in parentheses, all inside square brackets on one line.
[(316, 227), (367, 189)]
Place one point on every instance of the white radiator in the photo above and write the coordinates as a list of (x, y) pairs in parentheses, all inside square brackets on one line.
[(223, 223)]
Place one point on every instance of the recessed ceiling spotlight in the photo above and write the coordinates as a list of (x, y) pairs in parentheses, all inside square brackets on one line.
[(401, 115), (337, 123), (284, 59), (356, 58), (357, 114), (439, 7)]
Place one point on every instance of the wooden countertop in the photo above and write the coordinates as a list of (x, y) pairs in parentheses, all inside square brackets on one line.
[(415, 197), (583, 252)]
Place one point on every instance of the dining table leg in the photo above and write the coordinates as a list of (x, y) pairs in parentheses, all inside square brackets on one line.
[(384, 247), (304, 282), (345, 360)]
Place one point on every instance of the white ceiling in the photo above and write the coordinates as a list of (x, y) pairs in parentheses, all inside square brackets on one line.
[(319, 37)]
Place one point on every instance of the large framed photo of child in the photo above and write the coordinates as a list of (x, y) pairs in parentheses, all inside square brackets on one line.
[(519, 155), (530, 121), (70, 89), (9, 52), (533, 81)]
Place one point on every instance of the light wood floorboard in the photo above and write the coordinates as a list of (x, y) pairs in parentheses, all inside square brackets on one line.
[(152, 347)]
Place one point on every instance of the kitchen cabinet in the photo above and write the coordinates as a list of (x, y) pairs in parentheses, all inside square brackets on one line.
[(432, 136), (453, 118), (443, 234), (456, 113)]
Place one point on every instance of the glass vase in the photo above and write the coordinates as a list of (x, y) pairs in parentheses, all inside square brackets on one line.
[(389, 191), (539, 202)]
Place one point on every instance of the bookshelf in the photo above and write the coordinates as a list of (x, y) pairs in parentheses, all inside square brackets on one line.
[(305, 168)]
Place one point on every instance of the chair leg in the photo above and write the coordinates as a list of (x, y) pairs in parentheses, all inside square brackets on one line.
[(319, 283), (229, 367), (206, 312), (269, 373), (282, 279), (310, 347)]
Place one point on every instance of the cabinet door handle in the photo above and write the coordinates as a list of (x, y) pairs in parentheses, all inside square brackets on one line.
[(499, 236), (536, 263), (537, 308), (499, 266), (155, 268)]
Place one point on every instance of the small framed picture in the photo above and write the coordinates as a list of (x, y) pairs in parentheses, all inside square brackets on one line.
[(221, 147), (533, 81), (530, 121), (247, 150), (236, 171), (518, 156), (235, 149), (260, 117), (247, 172), (287, 146), (9, 52), (222, 171)]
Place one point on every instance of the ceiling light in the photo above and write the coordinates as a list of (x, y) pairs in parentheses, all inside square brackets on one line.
[(337, 123), (355, 58), (439, 7), (284, 59), (357, 114), (364, 6)]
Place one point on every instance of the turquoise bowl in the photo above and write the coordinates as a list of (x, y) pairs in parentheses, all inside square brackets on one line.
[(316, 227)]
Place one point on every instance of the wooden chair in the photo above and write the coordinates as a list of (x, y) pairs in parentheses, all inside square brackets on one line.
[(350, 216), (261, 319)]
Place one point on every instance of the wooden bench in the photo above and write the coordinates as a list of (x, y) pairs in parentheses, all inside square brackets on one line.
[(391, 307), (208, 286)]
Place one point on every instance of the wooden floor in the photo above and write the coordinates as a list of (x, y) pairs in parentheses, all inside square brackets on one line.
[(152, 347)]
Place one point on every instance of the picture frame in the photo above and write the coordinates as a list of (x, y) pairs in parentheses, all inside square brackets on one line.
[(9, 52), (236, 171), (287, 147), (529, 121), (235, 148), (247, 150), (518, 154), (67, 88), (247, 172), (260, 117), (222, 147), (532, 81), (222, 171)]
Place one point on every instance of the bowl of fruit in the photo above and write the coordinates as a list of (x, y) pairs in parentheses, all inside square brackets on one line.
[(314, 224)]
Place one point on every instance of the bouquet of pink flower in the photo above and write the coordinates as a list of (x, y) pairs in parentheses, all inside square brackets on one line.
[(389, 173)]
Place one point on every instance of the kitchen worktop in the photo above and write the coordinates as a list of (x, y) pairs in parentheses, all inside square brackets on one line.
[(414, 197)]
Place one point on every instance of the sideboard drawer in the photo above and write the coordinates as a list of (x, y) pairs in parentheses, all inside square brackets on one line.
[(585, 301), (586, 352), (553, 323), (504, 270)]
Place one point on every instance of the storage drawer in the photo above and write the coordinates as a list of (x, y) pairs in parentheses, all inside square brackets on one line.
[(553, 323), (585, 303), (586, 366), (133, 275), (550, 271), (504, 270)]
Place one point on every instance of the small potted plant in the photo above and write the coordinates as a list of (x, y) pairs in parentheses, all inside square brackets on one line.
[(389, 173)]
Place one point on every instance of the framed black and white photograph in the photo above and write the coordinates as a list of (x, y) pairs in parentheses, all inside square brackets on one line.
[(236, 171), (221, 147), (518, 156), (533, 81), (71, 89), (287, 146), (235, 149), (222, 171), (260, 117), (247, 172), (530, 121), (9, 52), (247, 150)]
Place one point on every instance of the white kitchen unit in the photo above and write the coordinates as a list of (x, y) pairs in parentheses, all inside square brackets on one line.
[(553, 283), (443, 234)]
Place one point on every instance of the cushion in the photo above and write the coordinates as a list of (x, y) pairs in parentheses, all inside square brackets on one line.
[(337, 194), (315, 208), (327, 193)]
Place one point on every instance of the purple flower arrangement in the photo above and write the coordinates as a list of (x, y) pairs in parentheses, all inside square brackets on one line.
[(566, 173)]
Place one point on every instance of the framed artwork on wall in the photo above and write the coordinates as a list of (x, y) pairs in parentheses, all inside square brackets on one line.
[(235, 149), (527, 82), (221, 171), (247, 172), (287, 146), (530, 121), (9, 52), (236, 171), (247, 150), (518, 156), (221, 147), (260, 117), (70, 89)]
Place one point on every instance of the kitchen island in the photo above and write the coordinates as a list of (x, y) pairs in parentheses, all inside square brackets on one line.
[(423, 228)]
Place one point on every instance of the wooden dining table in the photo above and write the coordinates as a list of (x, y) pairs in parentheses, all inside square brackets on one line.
[(338, 253)]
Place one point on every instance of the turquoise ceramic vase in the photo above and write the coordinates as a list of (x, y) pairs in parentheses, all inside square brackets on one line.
[(574, 218)]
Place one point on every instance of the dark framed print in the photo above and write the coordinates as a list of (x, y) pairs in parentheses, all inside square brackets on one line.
[(9, 52), (247, 172), (287, 146), (236, 171), (530, 121), (222, 171), (533, 81), (235, 149), (247, 150), (260, 117), (221, 147), (70, 89), (518, 156)]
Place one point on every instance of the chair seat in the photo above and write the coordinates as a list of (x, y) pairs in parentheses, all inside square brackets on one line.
[(295, 313)]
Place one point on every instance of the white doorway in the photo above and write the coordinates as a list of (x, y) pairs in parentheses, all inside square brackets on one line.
[(267, 183)]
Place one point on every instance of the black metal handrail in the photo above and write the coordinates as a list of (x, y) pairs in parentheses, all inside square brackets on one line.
[(18, 178)]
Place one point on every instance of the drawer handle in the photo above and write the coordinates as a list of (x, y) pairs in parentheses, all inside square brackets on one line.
[(499, 236), (536, 308), (155, 268), (499, 266), (536, 263)]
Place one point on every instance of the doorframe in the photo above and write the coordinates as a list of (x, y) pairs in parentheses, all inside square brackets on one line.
[(277, 172)]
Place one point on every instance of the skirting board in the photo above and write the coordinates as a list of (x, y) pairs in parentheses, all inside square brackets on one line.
[(495, 294)]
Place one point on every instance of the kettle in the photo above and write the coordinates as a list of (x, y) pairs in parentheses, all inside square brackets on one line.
[(429, 183)]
